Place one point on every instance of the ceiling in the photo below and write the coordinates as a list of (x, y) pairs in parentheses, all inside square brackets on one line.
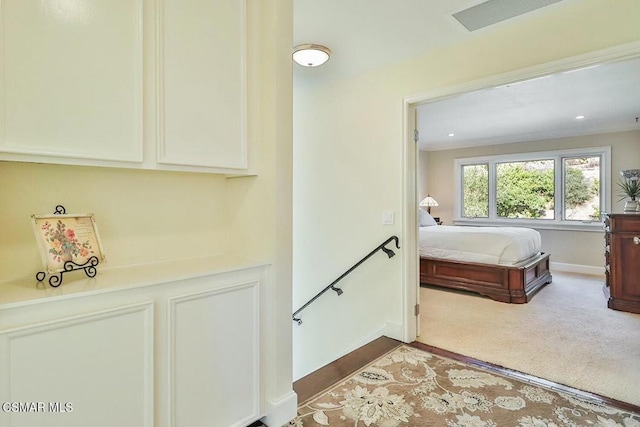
[(369, 34), (366, 34), (607, 96)]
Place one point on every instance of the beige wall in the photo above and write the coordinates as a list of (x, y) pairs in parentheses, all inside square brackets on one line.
[(348, 162), (625, 154)]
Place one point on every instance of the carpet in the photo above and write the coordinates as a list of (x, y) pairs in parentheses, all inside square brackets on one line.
[(565, 334), (410, 387)]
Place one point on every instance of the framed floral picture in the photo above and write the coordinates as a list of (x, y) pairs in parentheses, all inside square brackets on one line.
[(66, 237)]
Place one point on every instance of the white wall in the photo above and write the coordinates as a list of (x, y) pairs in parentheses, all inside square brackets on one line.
[(625, 154), (348, 166)]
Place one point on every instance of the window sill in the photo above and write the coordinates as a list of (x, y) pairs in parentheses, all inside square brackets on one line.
[(591, 226)]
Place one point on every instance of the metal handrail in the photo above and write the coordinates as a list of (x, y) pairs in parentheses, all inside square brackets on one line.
[(339, 291)]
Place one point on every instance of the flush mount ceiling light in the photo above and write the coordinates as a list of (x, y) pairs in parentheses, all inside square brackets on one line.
[(311, 55)]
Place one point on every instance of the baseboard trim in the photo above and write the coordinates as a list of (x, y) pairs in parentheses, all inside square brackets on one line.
[(327, 376), (577, 268), (281, 411), (389, 329)]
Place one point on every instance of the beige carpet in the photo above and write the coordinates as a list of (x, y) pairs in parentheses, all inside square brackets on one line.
[(565, 334), (410, 387)]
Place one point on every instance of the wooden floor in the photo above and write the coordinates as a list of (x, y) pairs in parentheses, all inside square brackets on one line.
[(320, 380)]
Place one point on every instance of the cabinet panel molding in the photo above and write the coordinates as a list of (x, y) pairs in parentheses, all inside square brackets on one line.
[(202, 83), (97, 368), (72, 81), (223, 375)]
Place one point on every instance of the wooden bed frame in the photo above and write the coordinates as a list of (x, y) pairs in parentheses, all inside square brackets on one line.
[(514, 284)]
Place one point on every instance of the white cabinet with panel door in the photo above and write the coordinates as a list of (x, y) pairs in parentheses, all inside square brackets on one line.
[(174, 344), (125, 83)]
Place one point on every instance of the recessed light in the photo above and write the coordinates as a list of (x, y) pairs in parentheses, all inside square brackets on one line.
[(452, 134), (579, 117)]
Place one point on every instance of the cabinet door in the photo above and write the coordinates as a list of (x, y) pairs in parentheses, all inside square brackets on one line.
[(71, 80), (627, 267), (92, 370), (202, 100), (214, 357)]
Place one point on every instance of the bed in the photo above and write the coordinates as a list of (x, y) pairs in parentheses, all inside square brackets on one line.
[(502, 263)]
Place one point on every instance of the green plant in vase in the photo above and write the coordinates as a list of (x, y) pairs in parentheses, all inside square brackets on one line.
[(629, 187)]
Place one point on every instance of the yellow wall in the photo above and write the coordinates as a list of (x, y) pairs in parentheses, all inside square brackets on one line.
[(149, 216), (142, 216), (348, 157), (261, 207)]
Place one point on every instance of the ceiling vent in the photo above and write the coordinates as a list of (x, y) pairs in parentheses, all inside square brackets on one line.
[(494, 11)]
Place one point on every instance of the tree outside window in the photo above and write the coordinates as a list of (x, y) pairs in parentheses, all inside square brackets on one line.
[(475, 202), (556, 187), (525, 189)]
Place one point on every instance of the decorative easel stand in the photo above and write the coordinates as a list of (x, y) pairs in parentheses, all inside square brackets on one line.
[(55, 280), (89, 266)]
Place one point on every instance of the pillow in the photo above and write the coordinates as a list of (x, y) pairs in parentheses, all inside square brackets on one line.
[(425, 219)]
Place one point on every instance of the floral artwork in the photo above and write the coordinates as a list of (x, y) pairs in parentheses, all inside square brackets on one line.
[(63, 238), (64, 242), (410, 387)]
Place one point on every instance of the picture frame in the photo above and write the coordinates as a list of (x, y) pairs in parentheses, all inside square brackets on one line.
[(64, 238)]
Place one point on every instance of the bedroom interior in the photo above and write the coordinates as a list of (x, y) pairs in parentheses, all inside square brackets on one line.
[(537, 117), (568, 322)]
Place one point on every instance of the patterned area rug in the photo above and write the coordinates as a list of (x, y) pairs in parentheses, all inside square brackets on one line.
[(410, 387)]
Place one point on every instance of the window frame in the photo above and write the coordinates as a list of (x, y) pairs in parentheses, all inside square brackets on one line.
[(558, 223)]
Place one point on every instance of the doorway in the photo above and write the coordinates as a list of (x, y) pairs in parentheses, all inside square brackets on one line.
[(411, 185)]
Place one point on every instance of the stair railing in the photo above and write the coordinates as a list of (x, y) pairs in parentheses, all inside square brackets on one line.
[(390, 253)]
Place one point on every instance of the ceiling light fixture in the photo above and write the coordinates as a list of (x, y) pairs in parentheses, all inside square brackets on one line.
[(579, 117), (311, 55), (452, 134)]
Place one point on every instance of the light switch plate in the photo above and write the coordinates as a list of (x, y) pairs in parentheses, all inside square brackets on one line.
[(388, 217)]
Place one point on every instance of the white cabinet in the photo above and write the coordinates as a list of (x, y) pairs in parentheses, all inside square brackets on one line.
[(72, 83), (125, 83), (94, 369), (129, 348), (202, 83), (215, 332)]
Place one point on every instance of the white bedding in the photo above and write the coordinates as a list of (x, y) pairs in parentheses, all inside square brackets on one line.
[(487, 245)]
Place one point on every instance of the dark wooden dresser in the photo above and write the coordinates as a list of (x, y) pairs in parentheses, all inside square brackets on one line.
[(622, 260)]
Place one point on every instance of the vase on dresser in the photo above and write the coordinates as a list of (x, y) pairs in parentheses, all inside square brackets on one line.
[(631, 205)]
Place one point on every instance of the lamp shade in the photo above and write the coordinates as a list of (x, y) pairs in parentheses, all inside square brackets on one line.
[(311, 55), (429, 202)]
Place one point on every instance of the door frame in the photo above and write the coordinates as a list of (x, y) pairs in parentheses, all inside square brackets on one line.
[(411, 267)]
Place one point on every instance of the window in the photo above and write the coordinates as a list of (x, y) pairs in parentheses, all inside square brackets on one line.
[(558, 189), (525, 189), (475, 197)]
